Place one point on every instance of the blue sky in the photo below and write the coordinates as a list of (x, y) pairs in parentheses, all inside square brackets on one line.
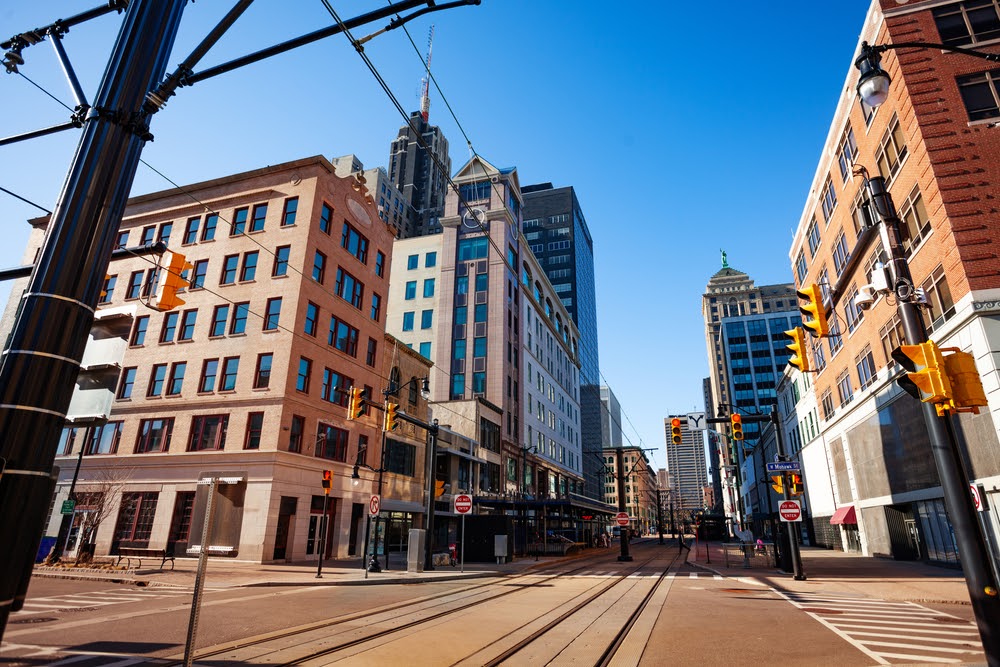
[(682, 130)]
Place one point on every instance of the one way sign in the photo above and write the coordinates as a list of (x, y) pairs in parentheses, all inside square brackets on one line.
[(696, 421)]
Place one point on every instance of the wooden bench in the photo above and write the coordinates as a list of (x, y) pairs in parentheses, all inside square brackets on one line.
[(128, 553)]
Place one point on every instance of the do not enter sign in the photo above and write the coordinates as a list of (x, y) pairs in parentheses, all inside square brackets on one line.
[(790, 510), (463, 503), (622, 518)]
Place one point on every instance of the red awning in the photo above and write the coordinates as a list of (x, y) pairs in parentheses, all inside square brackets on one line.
[(844, 515)]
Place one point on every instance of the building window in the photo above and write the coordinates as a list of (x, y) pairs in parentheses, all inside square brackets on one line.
[(262, 373), (916, 223), (981, 94), (829, 199), (304, 375), (148, 234), (238, 324), (239, 224), (198, 274), (835, 340), (295, 434), (940, 305), (891, 151), (412, 261), (426, 319), (219, 318), (408, 321), (800, 267), (312, 319), (840, 253), (472, 248), (176, 378), (154, 435), (280, 267), (847, 151), (139, 330), (968, 22), (400, 457), (354, 242), (135, 519), (826, 403), (370, 355), (208, 432), (107, 290), (188, 320), (319, 267), (892, 336), (376, 312), (126, 384), (349, 288), (103, 439), (430, 259), (258, 217), (844, 389), (229, 266), (169, 328), (425, 349), (379, 263), (122, 241), (331, 443), (272, 314), (325, 218), (249, 269), (813, 236), (255, 426), (865, 363), (335, 386), (852, 314), (230, 367), (134, 285), (209, 370), (343, 336), (208, 231), (410, 290), (429, 287), (288, 213)]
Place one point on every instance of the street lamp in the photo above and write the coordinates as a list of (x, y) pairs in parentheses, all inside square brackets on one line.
[(983, 594), (525, 449)]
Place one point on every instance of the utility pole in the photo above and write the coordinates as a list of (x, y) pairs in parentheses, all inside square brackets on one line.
[(66, 283), (623, 532), (793, 542)]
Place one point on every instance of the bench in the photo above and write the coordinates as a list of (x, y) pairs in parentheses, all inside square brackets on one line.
[(128, 553)]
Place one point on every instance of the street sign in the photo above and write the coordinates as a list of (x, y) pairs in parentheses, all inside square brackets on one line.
[(67, 507), (463, 503), (783, 466), (977, 499), (790, 510), (696, 421), (374, 505), (622, 518)]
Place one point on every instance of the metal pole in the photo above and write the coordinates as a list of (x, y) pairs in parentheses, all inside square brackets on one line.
[(322, 532), (381, 535), (620, 465), (368, 533), (659, 514), (793, 542), (66, 525), (430, 471), (944, 446), (65, 286), (199, 577), (462, 556)]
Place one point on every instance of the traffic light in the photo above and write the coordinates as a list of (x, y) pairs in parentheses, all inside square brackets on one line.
[(327, 479), (675, 431), (795, 488), (814, 310), (926, 378), (390, 416), (736, 422), (438, 488), (172, 280), (966, 384), (355, 404), (778, 485), (799, 359)]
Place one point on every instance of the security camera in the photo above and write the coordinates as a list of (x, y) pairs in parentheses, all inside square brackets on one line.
[(865, 297)]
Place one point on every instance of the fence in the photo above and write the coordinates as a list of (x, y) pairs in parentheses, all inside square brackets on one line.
[(750, 554)]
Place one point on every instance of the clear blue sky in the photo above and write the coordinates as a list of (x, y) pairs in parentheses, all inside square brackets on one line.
[(684, 127)]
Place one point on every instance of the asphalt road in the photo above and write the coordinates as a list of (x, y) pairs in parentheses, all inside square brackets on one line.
[(691, 617)]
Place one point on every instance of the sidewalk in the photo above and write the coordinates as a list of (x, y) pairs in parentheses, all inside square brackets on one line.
[(225, 573), (850, 573)]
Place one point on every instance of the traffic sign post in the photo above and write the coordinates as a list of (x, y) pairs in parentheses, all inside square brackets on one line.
[(790, 510), (622, 519), (463, 506), (783, 466), (374, 505)]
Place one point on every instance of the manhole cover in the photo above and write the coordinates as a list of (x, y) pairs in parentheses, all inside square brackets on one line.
[(25, 621)]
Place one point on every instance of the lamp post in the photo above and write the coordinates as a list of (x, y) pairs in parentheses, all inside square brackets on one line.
[(873, 87), (524, 493)]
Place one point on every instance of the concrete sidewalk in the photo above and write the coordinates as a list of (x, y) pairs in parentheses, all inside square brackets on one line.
[(226, 573), (838, 571)]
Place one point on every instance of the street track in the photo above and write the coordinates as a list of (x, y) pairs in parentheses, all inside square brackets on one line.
[(357, 633)]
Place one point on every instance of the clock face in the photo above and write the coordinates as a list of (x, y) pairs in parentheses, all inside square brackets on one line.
[(513, 230), (474, 218)]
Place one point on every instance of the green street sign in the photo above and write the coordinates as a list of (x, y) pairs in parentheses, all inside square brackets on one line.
[(67, 506)]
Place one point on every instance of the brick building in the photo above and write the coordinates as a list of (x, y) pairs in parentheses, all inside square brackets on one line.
[(867, 467), (284, 314)]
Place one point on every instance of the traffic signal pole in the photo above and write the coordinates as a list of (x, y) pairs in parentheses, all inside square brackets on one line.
[(786, 492), (623, 532), (972, 549), (55, 314)]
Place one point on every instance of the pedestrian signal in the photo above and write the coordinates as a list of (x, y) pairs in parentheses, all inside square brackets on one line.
[(327, 479)]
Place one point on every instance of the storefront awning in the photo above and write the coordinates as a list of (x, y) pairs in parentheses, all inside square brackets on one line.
[(844, 515)]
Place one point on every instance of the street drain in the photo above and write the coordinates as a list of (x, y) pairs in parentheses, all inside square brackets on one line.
[(25, 621)]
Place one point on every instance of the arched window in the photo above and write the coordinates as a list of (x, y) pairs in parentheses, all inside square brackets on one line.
[(394, 380)]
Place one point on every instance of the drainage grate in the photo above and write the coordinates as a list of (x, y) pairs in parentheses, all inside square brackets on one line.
[(25, 621)]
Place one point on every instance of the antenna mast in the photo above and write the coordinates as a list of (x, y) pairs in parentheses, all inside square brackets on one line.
[(425, 97)]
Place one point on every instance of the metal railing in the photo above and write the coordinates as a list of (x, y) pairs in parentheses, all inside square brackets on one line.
[(750, 554)]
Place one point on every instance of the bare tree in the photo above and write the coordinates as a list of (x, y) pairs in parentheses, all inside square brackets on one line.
[(95, 502)]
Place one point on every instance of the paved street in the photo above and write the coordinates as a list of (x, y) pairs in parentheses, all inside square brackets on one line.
[(662, 608)]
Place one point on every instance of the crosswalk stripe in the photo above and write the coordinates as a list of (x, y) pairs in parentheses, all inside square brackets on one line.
[(912, 629), (936, 639), (918, 658), (939, 649)]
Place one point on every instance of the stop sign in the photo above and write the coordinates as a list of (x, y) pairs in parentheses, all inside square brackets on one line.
[(463, 503), (622, 518), (790, 510)]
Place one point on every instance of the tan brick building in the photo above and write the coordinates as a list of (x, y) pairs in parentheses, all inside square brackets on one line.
[(868, 471), (286, 311)]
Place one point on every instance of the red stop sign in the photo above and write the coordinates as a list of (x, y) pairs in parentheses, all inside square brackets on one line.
[(463, 503), (622, 518)]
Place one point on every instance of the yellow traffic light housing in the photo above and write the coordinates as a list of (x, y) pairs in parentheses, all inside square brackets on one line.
[(355, 403), (799, 358), (438, 488), (172, 280), (675, 431), (390, 416), (779, 483), (795, 488), (327, 480), (814, 310), (736, 422), (926, 378), (966, 384)]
